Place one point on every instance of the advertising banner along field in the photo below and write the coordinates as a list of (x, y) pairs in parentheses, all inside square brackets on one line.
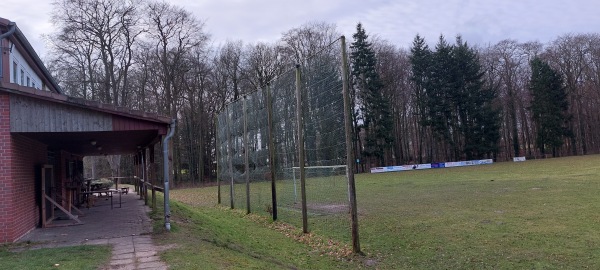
[(431, 166)]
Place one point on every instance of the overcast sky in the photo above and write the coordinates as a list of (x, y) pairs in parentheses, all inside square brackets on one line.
[(398, 21)]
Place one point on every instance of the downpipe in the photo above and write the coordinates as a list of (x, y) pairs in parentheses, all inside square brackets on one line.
[(166, 172), (12, 27)]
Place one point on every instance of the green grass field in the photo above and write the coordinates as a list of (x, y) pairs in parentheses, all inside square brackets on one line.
[(73, 258), (535, 214)]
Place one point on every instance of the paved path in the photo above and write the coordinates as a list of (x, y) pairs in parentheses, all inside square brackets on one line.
[(132, 252), (127, 229)]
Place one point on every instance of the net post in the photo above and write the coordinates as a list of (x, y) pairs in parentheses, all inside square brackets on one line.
[(300, 145), (217, 157), (271, 151), (246, 151), (230, 157), (295, 189), (349, 150)]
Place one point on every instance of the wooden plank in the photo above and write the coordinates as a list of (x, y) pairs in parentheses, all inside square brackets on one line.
[(43, 193), (62, 209), (33, 115), (63, 225)]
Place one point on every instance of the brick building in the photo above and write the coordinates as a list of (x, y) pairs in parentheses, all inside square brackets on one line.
[(42, 128)]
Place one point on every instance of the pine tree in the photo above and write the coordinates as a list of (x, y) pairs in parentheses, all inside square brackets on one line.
[(549, 106), (374, 108), (479, 120), (420, 59), (442, 111), (454, 100)]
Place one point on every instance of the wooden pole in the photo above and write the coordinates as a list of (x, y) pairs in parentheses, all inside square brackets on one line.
[(246, 151), (152, 176), (142, 172), (271, 152), (138, 173), (218, 156), (349, 151), (300, 145), (230, 156), (43, 196), (145, 161)]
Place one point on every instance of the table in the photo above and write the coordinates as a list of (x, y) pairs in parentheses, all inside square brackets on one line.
[(107, 191)]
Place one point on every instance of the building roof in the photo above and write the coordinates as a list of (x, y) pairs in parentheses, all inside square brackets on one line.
[(20, 40), (125, 132)]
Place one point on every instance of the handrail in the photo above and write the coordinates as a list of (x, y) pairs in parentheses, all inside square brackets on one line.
[(158, 188)]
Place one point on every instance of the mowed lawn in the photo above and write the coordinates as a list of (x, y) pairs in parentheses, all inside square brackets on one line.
[(534, 214)]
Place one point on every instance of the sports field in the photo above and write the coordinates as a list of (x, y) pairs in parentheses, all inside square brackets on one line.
[(533, 214)]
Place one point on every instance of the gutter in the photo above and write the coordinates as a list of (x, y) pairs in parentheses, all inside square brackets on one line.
[(13, 27), (165, 145)]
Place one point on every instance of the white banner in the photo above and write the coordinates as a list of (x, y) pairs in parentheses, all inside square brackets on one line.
[(431, 165)]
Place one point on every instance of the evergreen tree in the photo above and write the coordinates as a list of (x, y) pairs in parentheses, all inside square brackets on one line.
[(420, 59), (453, 98), (442, 116), (479, 120), (549, 106), (373, 106)]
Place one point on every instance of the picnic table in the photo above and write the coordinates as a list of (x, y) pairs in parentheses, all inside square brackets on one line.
[(108, 192)]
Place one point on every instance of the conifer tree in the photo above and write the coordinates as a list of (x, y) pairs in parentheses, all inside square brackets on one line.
[(549, 106), (374, 108), (420, 59), (479, 120), (453, 99)]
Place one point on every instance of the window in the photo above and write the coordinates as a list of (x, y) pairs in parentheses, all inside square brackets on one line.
[(22, 77), (28, 81), (33, 84), (15, 74)]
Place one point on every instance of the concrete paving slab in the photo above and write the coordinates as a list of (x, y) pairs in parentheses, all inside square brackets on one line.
[(145, 247), (149, 259), (122, 261), (123, 256), (123, 267), (123, 248), (141, 254), (151, 265)]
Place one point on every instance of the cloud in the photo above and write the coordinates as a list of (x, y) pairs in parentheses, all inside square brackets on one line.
[(478, 21), (33, 20)]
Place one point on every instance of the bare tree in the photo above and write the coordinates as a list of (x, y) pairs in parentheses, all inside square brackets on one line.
[(98, 36), (227, 62), (568, 54), (394, 69), (262, 63), (299, 44)]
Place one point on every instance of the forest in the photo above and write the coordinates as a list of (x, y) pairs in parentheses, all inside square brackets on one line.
[(429, 101)]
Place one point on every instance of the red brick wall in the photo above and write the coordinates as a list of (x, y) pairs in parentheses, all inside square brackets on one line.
[(28, 156), (20, 157), (6, 202)]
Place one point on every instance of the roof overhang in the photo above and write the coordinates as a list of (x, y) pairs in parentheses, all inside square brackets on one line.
[(79, 126)]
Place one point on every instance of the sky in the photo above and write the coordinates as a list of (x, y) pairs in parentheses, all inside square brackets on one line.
[(480, 22)]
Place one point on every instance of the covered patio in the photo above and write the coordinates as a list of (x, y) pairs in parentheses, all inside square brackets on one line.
[(127, 229), (51, 133), (100, 223)]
